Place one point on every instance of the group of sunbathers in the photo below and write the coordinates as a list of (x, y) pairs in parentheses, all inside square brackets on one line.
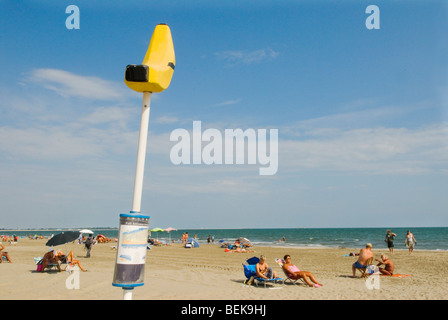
[(292, 271), (55, 258)]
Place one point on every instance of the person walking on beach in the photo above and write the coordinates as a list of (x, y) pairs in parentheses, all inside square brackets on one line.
[(410, 241), (389, 239), (88, 244)]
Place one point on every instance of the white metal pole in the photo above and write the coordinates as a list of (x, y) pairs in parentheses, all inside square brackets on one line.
[(127, 294), (141, 153), (140, 167)]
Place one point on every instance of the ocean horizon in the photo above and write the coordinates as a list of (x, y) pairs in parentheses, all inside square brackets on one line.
[(428, 238)]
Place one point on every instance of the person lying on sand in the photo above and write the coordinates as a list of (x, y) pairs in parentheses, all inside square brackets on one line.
[(239, 249), (294, 273)]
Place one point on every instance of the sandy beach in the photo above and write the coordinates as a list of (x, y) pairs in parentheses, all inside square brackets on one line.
[(210, 273)]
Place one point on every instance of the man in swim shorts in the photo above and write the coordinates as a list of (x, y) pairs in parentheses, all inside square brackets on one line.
[(364, 256)]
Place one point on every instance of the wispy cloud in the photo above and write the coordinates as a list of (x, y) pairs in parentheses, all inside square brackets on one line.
[(68, 84), (227, 103), (369, 150), (247, 57), (166, 120), (101, 115)]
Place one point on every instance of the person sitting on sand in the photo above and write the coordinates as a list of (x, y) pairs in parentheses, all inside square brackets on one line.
[(69, 260), (294, 273), (363, 258), (4, 254), (50, 258), (263, 270), (388, 269)]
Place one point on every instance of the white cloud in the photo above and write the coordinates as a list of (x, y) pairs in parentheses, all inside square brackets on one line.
[(348, 120), (227, 103), (166, 120), (370, 150), (72, 85), (110, 114), (247, 57), (55, 143)]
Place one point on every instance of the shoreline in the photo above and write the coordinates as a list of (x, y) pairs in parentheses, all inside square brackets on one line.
[(429, 238), (284, 246), (209, 273)]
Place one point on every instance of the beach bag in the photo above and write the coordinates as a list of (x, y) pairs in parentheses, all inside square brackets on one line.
[(38, 261), (372, 269)]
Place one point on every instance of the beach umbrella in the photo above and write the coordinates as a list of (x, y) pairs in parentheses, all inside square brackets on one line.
[(86, 231), (62, 238), (169, 229), (244, 241), (157, 230)]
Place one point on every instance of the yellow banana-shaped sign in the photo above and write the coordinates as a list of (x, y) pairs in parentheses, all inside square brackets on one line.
[(157, 68)]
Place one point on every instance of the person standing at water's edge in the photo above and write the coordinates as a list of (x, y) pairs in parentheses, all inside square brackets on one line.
[(410, 241), (389, 239)]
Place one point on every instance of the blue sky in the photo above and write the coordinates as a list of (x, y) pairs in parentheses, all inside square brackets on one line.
[(361, 114)]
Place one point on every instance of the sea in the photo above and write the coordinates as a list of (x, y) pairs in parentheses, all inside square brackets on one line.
[(428, 238)]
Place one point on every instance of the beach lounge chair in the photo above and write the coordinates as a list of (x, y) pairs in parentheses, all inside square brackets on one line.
[(39, 260), (363, 271), (249, 266), (280, 263)]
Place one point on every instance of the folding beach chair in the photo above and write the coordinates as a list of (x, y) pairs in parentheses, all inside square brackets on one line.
[(280, 263), (250, 272), (363, 271)]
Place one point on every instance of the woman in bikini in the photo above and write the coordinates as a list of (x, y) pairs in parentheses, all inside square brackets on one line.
[(294, 273), (69, 260)]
